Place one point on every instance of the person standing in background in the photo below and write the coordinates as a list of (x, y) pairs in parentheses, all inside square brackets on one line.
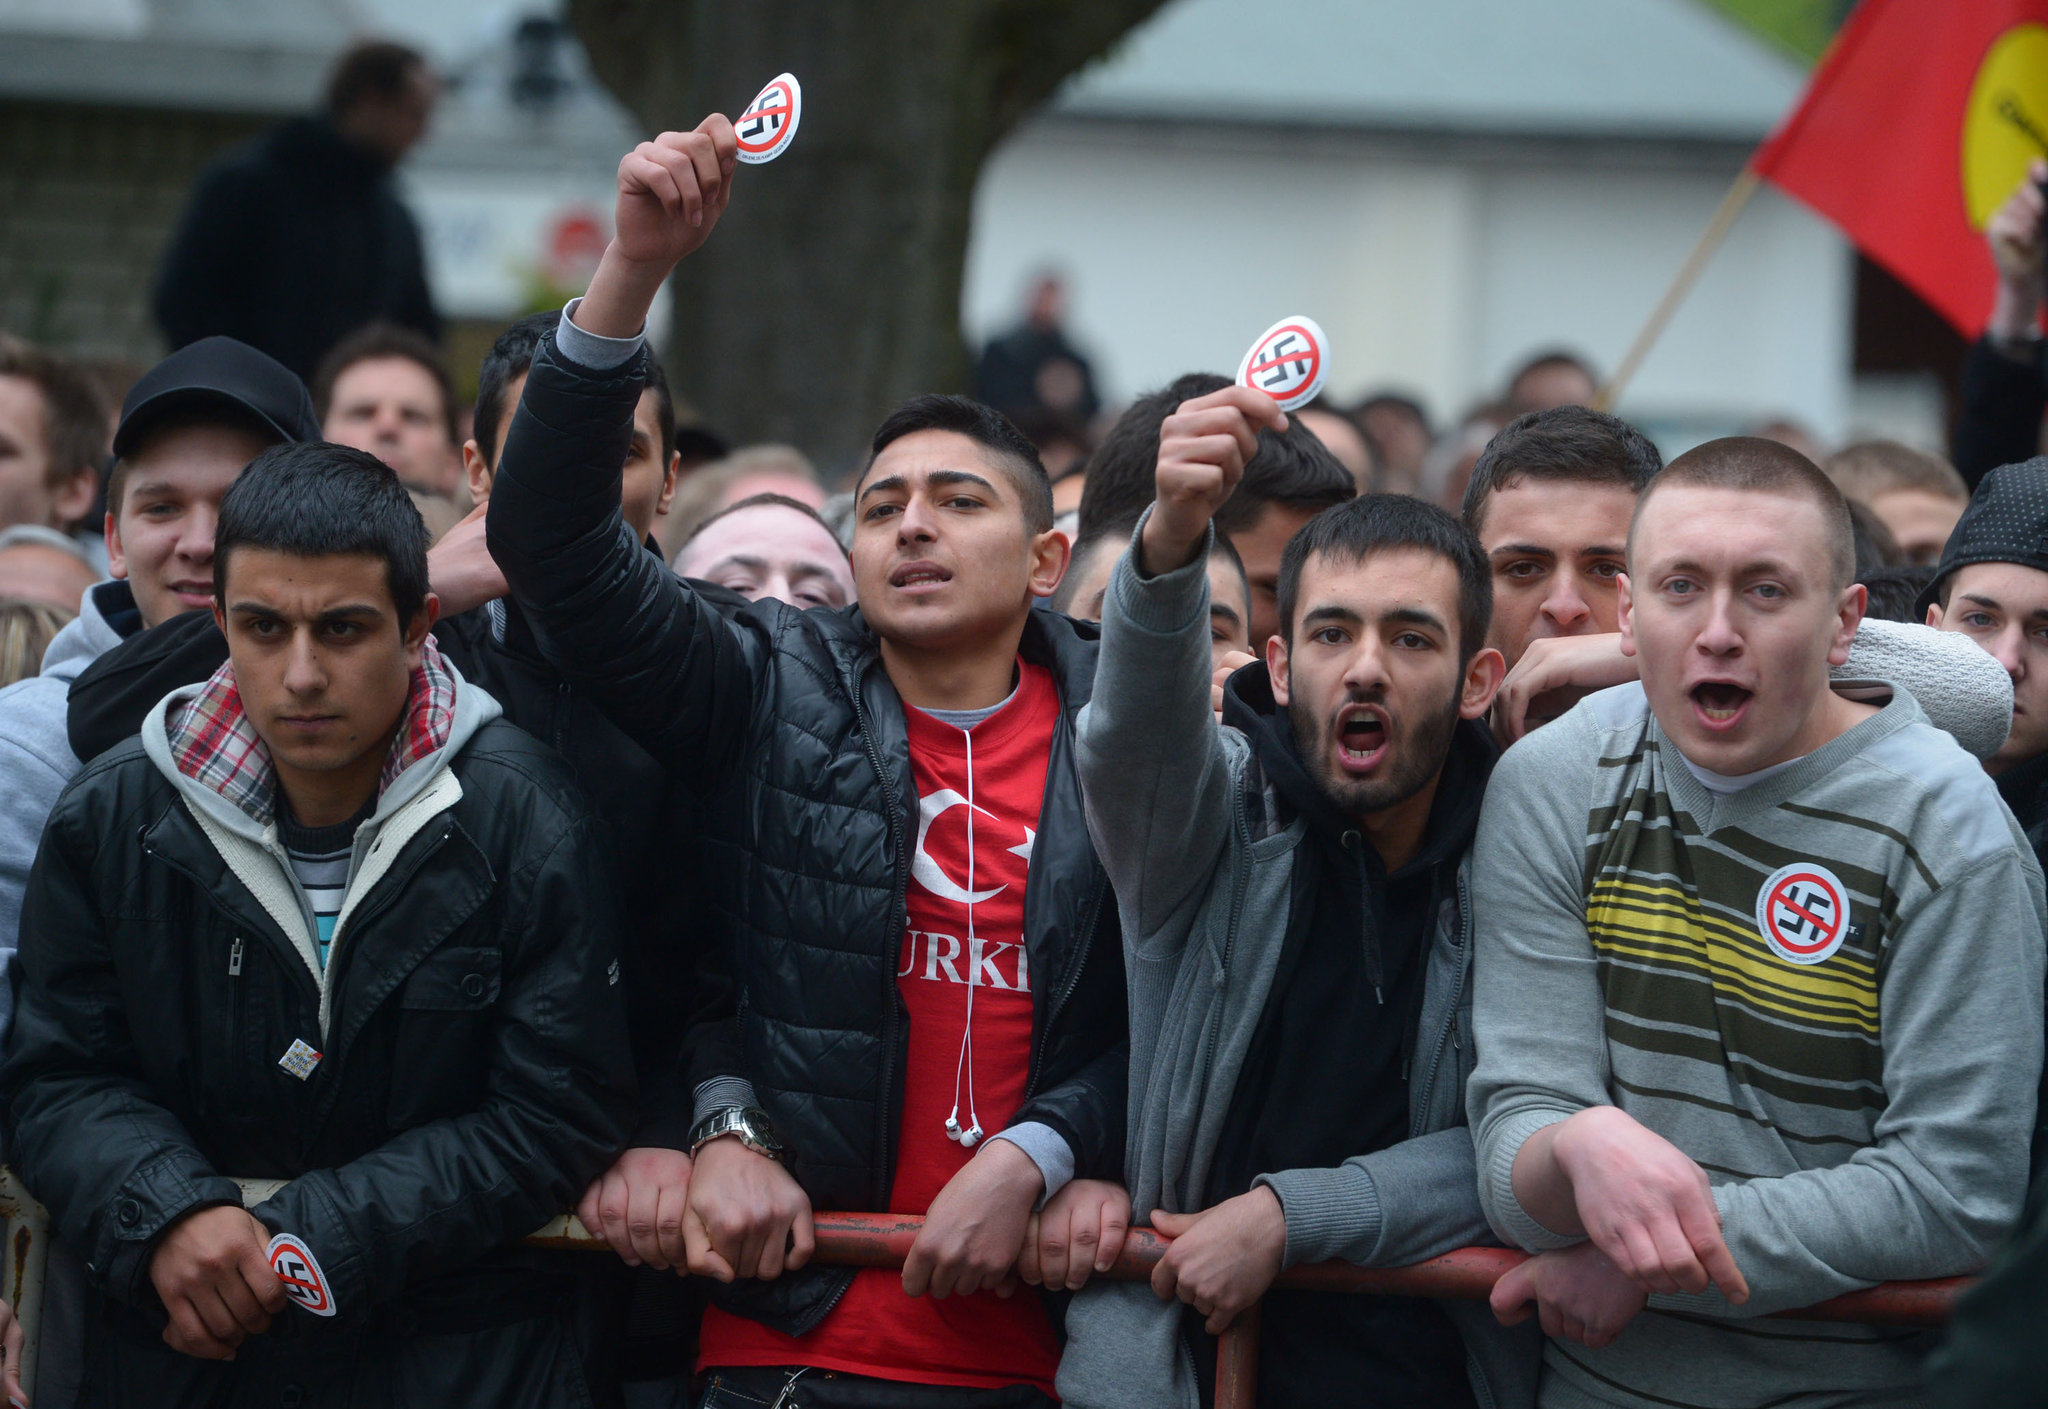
[(299, 237)]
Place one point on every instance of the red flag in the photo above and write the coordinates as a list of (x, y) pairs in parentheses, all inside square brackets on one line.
[(1917, 126)]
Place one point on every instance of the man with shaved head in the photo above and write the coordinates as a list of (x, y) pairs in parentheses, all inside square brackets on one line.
[(1759, 974)]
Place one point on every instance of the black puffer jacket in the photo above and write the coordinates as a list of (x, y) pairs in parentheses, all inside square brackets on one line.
[(669, 980), (787, 725), (474, 1077)]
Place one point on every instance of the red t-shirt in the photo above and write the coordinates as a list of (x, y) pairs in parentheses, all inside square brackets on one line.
[(965, 938)]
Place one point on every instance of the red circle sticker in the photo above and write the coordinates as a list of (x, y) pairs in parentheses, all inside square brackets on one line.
[(769, 122), (1802, 912), (295, 1266), (1289, 362)]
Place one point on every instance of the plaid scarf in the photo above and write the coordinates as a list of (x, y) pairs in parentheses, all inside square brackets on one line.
[(213, 743)]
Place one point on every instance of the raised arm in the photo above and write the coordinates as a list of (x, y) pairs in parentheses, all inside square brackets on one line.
[(1153, 767), (668, 668)]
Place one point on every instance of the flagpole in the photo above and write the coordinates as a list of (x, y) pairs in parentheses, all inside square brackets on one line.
[(1710, 239)]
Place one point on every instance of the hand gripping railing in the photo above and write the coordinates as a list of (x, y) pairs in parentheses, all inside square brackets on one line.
[(884, 1239)]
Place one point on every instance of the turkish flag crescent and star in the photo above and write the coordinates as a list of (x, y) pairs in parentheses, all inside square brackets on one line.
[(1917, 126)]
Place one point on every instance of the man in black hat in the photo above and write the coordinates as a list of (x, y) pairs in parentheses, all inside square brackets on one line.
[(1992, 585), (187, 429)]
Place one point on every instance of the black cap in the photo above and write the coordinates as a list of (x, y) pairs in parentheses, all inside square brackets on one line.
[(2006, 522), (246, 385)]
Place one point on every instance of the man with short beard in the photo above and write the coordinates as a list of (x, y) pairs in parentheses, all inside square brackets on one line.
[(1292, 894), (1758, 978)]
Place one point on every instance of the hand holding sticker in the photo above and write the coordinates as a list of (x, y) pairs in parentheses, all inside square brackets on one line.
[(769, 122), (1290, 362), (295, 1266)]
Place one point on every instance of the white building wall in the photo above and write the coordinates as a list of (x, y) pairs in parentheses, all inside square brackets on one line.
[(1431, 273)]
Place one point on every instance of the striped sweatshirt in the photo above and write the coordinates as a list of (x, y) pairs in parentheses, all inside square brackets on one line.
[(1825, 988)]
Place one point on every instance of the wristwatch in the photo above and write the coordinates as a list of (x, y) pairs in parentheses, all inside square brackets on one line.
[(749, 1123)]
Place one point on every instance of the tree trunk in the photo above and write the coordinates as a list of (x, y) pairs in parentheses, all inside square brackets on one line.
[(832, 288)]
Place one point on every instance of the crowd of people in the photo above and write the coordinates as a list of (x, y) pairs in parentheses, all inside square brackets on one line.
[(1318, 836)]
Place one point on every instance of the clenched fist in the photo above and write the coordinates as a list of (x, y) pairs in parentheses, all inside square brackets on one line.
[(671, 192), (1203, 448)]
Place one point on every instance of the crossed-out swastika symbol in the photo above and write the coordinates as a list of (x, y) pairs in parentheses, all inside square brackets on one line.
[(762, 124), (1802, 912), (1280, 354)]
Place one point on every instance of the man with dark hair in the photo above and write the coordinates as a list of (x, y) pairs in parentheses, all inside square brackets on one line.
[(1759, 976), (1552, 379), (1304, 1100), (386, 389), (1550, 498), (947, 941), (1397, 428), (53, 438), (770, 545), (492, 642), (295, 239), (1916, 496), (1085, 588), (653, 464), (1291, 479), (393, 987)]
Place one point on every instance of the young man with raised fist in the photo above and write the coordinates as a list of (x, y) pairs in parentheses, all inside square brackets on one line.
[(1759, 977), (930, 1005), (1292, 886), (328, 921)]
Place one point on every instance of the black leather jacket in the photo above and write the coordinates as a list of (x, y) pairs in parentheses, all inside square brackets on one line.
[(474, 1077), (787, 727)]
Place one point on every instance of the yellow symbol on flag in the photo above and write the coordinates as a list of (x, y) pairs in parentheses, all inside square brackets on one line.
[(2005, 123)]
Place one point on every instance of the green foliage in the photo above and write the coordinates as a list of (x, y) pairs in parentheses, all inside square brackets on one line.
[(1803, 27)]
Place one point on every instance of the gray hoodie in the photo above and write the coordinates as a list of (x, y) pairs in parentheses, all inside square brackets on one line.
[(258, 859), (35, 755), (1203, 873)]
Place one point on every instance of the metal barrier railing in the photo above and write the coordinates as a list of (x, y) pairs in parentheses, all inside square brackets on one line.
[(883, 1241)]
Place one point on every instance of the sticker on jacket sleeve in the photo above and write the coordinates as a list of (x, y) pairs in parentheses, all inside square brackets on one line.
[(1802, 911), (295, 1266), (764, 130), (299, 1059), (1290, 362)]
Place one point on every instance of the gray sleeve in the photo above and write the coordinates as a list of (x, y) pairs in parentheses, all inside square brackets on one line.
[(31, 792), (1154, 776), (1942, 1184), (1048, 1149), (721, 1093), (1393, 1207), (592, 350), (1537, 1008)]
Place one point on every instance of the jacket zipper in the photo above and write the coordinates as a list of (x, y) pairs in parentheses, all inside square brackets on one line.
[(218, 908), (867, 735), (1417, 1117), (1073, 980), (1237, 892), (891, 1019)]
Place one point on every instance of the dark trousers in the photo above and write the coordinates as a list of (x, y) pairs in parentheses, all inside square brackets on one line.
[(789, 1387)]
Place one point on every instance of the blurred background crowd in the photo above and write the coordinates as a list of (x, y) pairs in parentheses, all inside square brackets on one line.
[(1479, 200)]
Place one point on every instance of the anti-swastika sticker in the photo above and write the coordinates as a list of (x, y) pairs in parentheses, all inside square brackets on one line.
[(1802, 911), (765, 128), (1289, 363), (304, 1283)]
